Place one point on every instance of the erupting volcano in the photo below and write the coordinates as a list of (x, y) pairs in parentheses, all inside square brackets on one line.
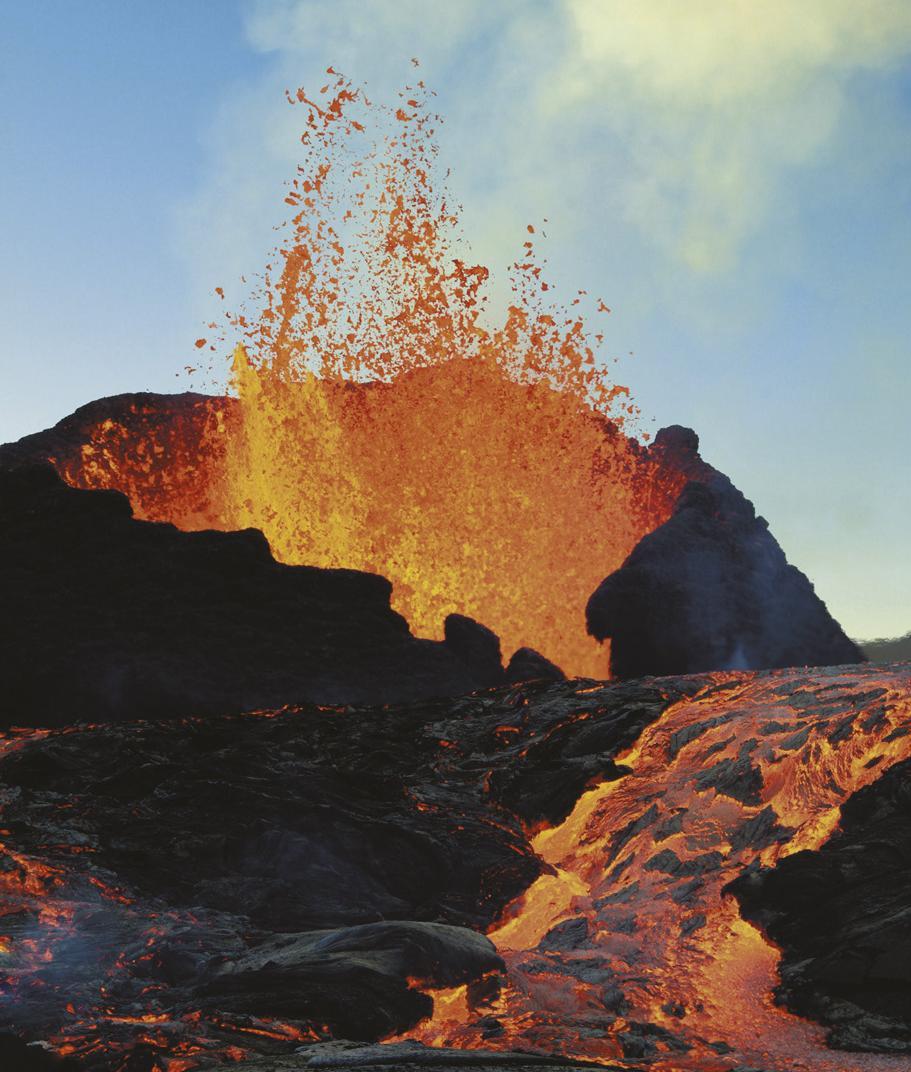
[(266, 810), (381, 423)]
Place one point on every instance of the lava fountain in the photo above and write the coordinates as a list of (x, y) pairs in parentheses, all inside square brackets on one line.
[(379, 422)]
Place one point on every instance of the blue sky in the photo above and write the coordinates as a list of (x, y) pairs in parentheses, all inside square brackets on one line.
[(731, 177)]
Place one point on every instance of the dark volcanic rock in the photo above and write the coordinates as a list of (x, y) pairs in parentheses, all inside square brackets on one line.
[(354, 980), (412, 1057), (710, 590), (307, 818), (842, 916), (700, 595), (579, 752), (18, 1056), (477, 646), (677, 448), (303, 820), (527, 664), (160, 437), (169, 419), (274, 879), (301, 865), (104, 617), (896, 650)]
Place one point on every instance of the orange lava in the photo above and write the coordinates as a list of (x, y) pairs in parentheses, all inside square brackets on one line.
[(381, 420), (384, 422), (643, 862)]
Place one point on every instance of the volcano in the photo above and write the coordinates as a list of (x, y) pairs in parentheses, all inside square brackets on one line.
[(403, 707)]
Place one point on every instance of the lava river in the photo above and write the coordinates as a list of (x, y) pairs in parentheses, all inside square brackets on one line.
[(626, 948), (630, 946)]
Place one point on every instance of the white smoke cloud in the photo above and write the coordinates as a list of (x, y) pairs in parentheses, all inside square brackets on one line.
[(718, 99), (684, 118)]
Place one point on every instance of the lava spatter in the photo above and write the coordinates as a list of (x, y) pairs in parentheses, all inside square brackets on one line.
[(383, 419)]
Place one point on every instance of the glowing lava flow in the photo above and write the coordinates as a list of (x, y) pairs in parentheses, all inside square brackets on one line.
[(77, 951), (381, 423), (630, 946)]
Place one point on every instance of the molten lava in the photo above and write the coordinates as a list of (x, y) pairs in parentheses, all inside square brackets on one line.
[(382, 424), (630, 946)]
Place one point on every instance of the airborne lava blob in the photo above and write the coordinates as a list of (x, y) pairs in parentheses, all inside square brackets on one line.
[(381, 423)]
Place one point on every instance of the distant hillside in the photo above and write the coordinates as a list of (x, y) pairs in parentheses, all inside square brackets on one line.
[(896, 650)]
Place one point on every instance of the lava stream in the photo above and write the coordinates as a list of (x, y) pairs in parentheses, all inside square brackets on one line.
[(630, 946)]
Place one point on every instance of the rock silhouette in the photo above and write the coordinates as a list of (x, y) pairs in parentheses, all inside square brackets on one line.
[(105, 617), (526, 664), (711, 589)]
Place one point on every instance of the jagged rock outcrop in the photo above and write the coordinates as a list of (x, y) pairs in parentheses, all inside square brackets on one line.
[(476, 645), (711, 589), (676, 448), (158, 440), (526, 664), (177, 421), (105, 617), (842, 917)]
